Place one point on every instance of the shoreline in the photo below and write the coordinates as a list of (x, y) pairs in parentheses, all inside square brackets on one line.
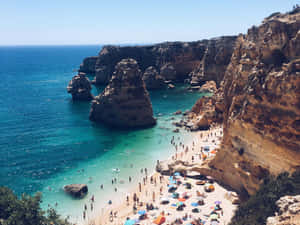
[(158, 190)]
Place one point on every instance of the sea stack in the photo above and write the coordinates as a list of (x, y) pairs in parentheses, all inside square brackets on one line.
[(125, 102), (80, 88)]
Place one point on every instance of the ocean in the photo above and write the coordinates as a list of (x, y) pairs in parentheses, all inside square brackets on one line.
[(47, 140)]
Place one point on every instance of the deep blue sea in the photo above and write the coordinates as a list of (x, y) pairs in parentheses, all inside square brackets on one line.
[(47, 140)]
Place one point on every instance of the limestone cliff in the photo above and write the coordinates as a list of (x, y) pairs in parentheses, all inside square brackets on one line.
[(261, 104), (214, 61), (125, 102), (173, 60)]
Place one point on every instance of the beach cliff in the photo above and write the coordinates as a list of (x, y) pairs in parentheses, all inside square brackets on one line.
[(259, 105), (193, 62)]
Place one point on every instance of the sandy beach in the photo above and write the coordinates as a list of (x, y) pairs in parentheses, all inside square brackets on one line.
[(187, 202)]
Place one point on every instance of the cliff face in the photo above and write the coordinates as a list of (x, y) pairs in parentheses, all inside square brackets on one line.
[(214, 61), (261, 104), (173, 60), (125, 102), (88, 65)]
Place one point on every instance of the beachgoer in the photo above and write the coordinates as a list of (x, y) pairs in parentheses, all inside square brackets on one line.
[(93, 198), (140, 187), (85, 207), (115, 189), (84, 215), (92, 207), (129, 178), (146, 171)]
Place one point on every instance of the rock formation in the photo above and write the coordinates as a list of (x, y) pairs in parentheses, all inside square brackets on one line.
[(88, 65), (209, 86), (153, 80), (80, 87), (76, 190), (174, 60), (214, 61), (125, 102), (289, 211), (261, 105)]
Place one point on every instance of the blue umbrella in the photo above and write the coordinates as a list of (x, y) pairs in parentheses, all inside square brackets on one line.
[(129, 222), (176, 174), (194, 204), (142, 212)]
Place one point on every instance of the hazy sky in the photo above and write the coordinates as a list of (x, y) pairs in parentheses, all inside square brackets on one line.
[(60, 22)]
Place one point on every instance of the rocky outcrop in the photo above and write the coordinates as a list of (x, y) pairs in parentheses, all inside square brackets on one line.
[(214, 61), (80, 88), (76, 190), (88, 65), (209, 86), (174, 60), (261, 105), (289, 211), (125, 102), (153, 80)]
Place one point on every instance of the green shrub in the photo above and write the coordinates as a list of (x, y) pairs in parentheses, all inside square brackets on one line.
[(26, 210), (260, 206)]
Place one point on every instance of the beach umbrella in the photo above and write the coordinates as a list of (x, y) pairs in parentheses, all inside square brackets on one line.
[(218, 202), (129, 222), (194, 204), (206, 148), (159, 220), (172, 189), (176, 174), (174, 205), (142, 212), (181, 199), (175, 195)]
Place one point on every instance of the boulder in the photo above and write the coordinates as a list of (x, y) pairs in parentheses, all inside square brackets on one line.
[(153, 80), (125, 102), (80, 88), (76, 190)]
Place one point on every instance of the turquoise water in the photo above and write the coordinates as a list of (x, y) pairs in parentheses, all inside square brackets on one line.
[(47, 140)]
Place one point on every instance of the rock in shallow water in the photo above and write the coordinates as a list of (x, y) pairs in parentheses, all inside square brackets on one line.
[(76, 190), (125, 102)]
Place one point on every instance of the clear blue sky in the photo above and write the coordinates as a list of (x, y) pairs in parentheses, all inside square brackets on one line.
[(61, 22)]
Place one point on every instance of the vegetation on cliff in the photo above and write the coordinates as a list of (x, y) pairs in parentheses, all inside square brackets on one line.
[(25, 210), (262, 205)]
